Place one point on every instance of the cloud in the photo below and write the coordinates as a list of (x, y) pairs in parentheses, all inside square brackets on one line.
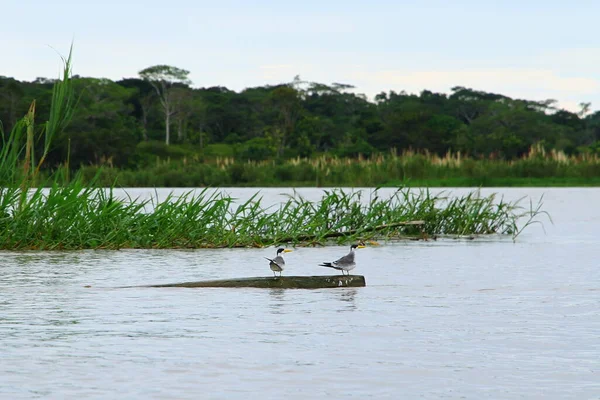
[(277, 73), (276, 67), (524, 78), (581, 61), (528, 83)]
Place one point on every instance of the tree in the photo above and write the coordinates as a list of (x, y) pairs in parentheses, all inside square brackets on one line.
[(102, 130), (470, 104), (11, 94), (509, 129), (183, 108), (144, 102), (585, 109), (286, 101), (198, 117), (164, 79)]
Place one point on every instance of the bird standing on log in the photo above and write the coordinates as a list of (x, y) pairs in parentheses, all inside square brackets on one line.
[(278, 263), (345, 263)]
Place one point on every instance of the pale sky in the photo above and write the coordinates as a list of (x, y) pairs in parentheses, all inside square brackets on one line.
[(530, 49)]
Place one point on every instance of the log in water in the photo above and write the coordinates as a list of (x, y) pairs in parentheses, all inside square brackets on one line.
[(284, 282)]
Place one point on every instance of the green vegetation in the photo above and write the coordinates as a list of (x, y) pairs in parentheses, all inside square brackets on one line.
[(56, 211), (77, 217), (537, 168), (157, 130)]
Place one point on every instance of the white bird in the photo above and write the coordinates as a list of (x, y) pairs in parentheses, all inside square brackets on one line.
[(345, 263), (278, 263)]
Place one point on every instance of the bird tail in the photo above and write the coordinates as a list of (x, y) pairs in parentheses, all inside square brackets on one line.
[(274, 262), (328, 265)]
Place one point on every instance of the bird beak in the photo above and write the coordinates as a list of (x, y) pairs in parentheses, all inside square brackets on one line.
[(360, 246), (287, 251)]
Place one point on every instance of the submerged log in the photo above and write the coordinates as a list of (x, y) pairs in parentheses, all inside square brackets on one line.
[(283, 282), (332, 235)]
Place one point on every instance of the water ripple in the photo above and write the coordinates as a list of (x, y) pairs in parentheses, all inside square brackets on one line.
[(490, 319)]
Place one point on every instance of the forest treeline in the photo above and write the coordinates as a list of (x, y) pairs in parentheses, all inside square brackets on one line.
[(130, 123)]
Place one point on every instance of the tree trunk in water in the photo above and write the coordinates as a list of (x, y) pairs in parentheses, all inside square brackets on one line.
[(284, 282)]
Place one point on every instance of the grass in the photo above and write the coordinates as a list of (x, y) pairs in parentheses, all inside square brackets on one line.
[(74, 216), (60, 212), (537, 168)]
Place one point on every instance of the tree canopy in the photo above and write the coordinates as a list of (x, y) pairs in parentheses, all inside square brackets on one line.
[(170, 84), (121, 122)]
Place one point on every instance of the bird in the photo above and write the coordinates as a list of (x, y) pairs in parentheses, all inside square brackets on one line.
[(345, 263), (276, 264)]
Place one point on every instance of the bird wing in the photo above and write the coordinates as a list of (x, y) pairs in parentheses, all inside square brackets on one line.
[(346, 260), (274, 261)]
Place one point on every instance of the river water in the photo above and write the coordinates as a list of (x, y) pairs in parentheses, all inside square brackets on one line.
[(486, 318)]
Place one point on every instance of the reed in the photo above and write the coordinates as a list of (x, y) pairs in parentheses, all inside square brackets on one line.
[(537, 168), (74, 216)]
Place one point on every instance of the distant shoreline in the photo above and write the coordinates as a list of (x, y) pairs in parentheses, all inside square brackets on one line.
[(413, 170)]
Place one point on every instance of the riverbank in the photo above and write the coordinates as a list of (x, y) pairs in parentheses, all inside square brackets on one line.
[(537, 169)]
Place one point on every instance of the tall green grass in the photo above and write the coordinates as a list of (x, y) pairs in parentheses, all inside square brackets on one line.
[(59, 212), (535, 169), (74, 216), (19, 167)]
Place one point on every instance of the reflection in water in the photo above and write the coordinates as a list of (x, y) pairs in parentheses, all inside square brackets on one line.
[(345, 298), (45, 258), (340, 299), (348, 295), (35, 268), (277, 300)]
